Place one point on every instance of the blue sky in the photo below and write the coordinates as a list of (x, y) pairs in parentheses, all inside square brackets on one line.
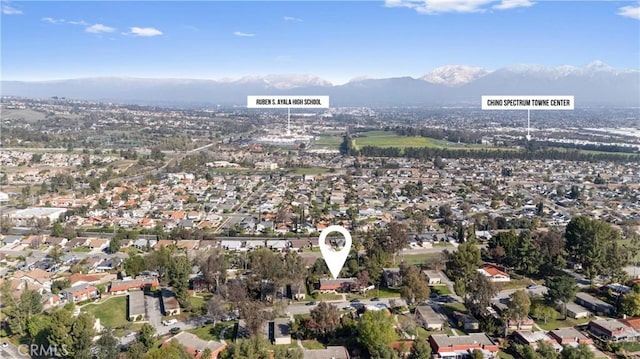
[(334, 40)]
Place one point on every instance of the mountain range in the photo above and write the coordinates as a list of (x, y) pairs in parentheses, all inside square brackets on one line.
[(595, 84)]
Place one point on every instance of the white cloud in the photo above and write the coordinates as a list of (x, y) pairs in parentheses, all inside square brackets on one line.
[(291, 18), (461, 6), (243, 34), (512, 4), (81, 22), (8, 10), (52, 20), (630, 11), (145, 31), (99, 28)]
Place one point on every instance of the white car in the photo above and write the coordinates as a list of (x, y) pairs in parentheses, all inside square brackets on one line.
[(5, 344)]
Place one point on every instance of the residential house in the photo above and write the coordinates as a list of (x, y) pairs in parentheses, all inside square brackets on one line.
[(169, 302), (531, 338), (195, 346), (338, 285), (612, 330), (577, 311), (569, 336), (123, 286), (98, 244), (280, 332), (594, 304), (428, 318), (35, 276), (80, 293), (454, 347), (494, 273), (433, 277), (467, 321), (332, 352), (136, 305)]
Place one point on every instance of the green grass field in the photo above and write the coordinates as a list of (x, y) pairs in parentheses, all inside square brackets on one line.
[(391, 139), (310, 171), (328, 141), (112, 312)]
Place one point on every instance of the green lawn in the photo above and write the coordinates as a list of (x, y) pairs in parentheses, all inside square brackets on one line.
[(440, 289), (631, 347), (310, 171), (503, 355), (454, 306), (380, 293), (391, 139), (112, 312), (419, 258), (200, 300), (212, 332), (81, 249), (312, 344), (328, 141), (558, 322), (327, 296)]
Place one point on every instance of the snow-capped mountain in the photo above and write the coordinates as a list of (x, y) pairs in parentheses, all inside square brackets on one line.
[(454, 75), (281, 81), (593, 84)]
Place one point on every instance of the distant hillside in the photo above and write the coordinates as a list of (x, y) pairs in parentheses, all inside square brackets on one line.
[(594, 84)]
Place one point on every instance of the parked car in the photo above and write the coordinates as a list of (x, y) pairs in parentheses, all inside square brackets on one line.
[(311, 303), (169, 322), (174, 330)]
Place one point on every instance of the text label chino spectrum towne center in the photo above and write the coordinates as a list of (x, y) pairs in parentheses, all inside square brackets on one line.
[(528, 102)]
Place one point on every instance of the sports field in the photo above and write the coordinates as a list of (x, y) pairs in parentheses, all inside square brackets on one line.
[(391, 139)]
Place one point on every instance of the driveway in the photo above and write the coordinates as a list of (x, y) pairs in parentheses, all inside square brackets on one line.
[(152, 307)]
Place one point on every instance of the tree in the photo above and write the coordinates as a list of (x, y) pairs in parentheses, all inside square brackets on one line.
[(296, 272), (136, 351), (582, 351), (413, 287), (57, 230), (215, 308), (254, 316), (267, 270), (594, 244), (477, 354), (463, 265), (108, 345), (56, 253), (147, 336), (519, 305), (376, 328), (214, 269), (478, 295), (551, 246), (206, 353), (134, 265), (563, 289), (82, 334), (420, 350), (178, 272), (544, 312), (546, 350), (326, 316), (631, 304), (172, 350)]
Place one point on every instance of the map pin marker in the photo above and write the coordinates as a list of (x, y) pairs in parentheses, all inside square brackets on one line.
[(335, 259)]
